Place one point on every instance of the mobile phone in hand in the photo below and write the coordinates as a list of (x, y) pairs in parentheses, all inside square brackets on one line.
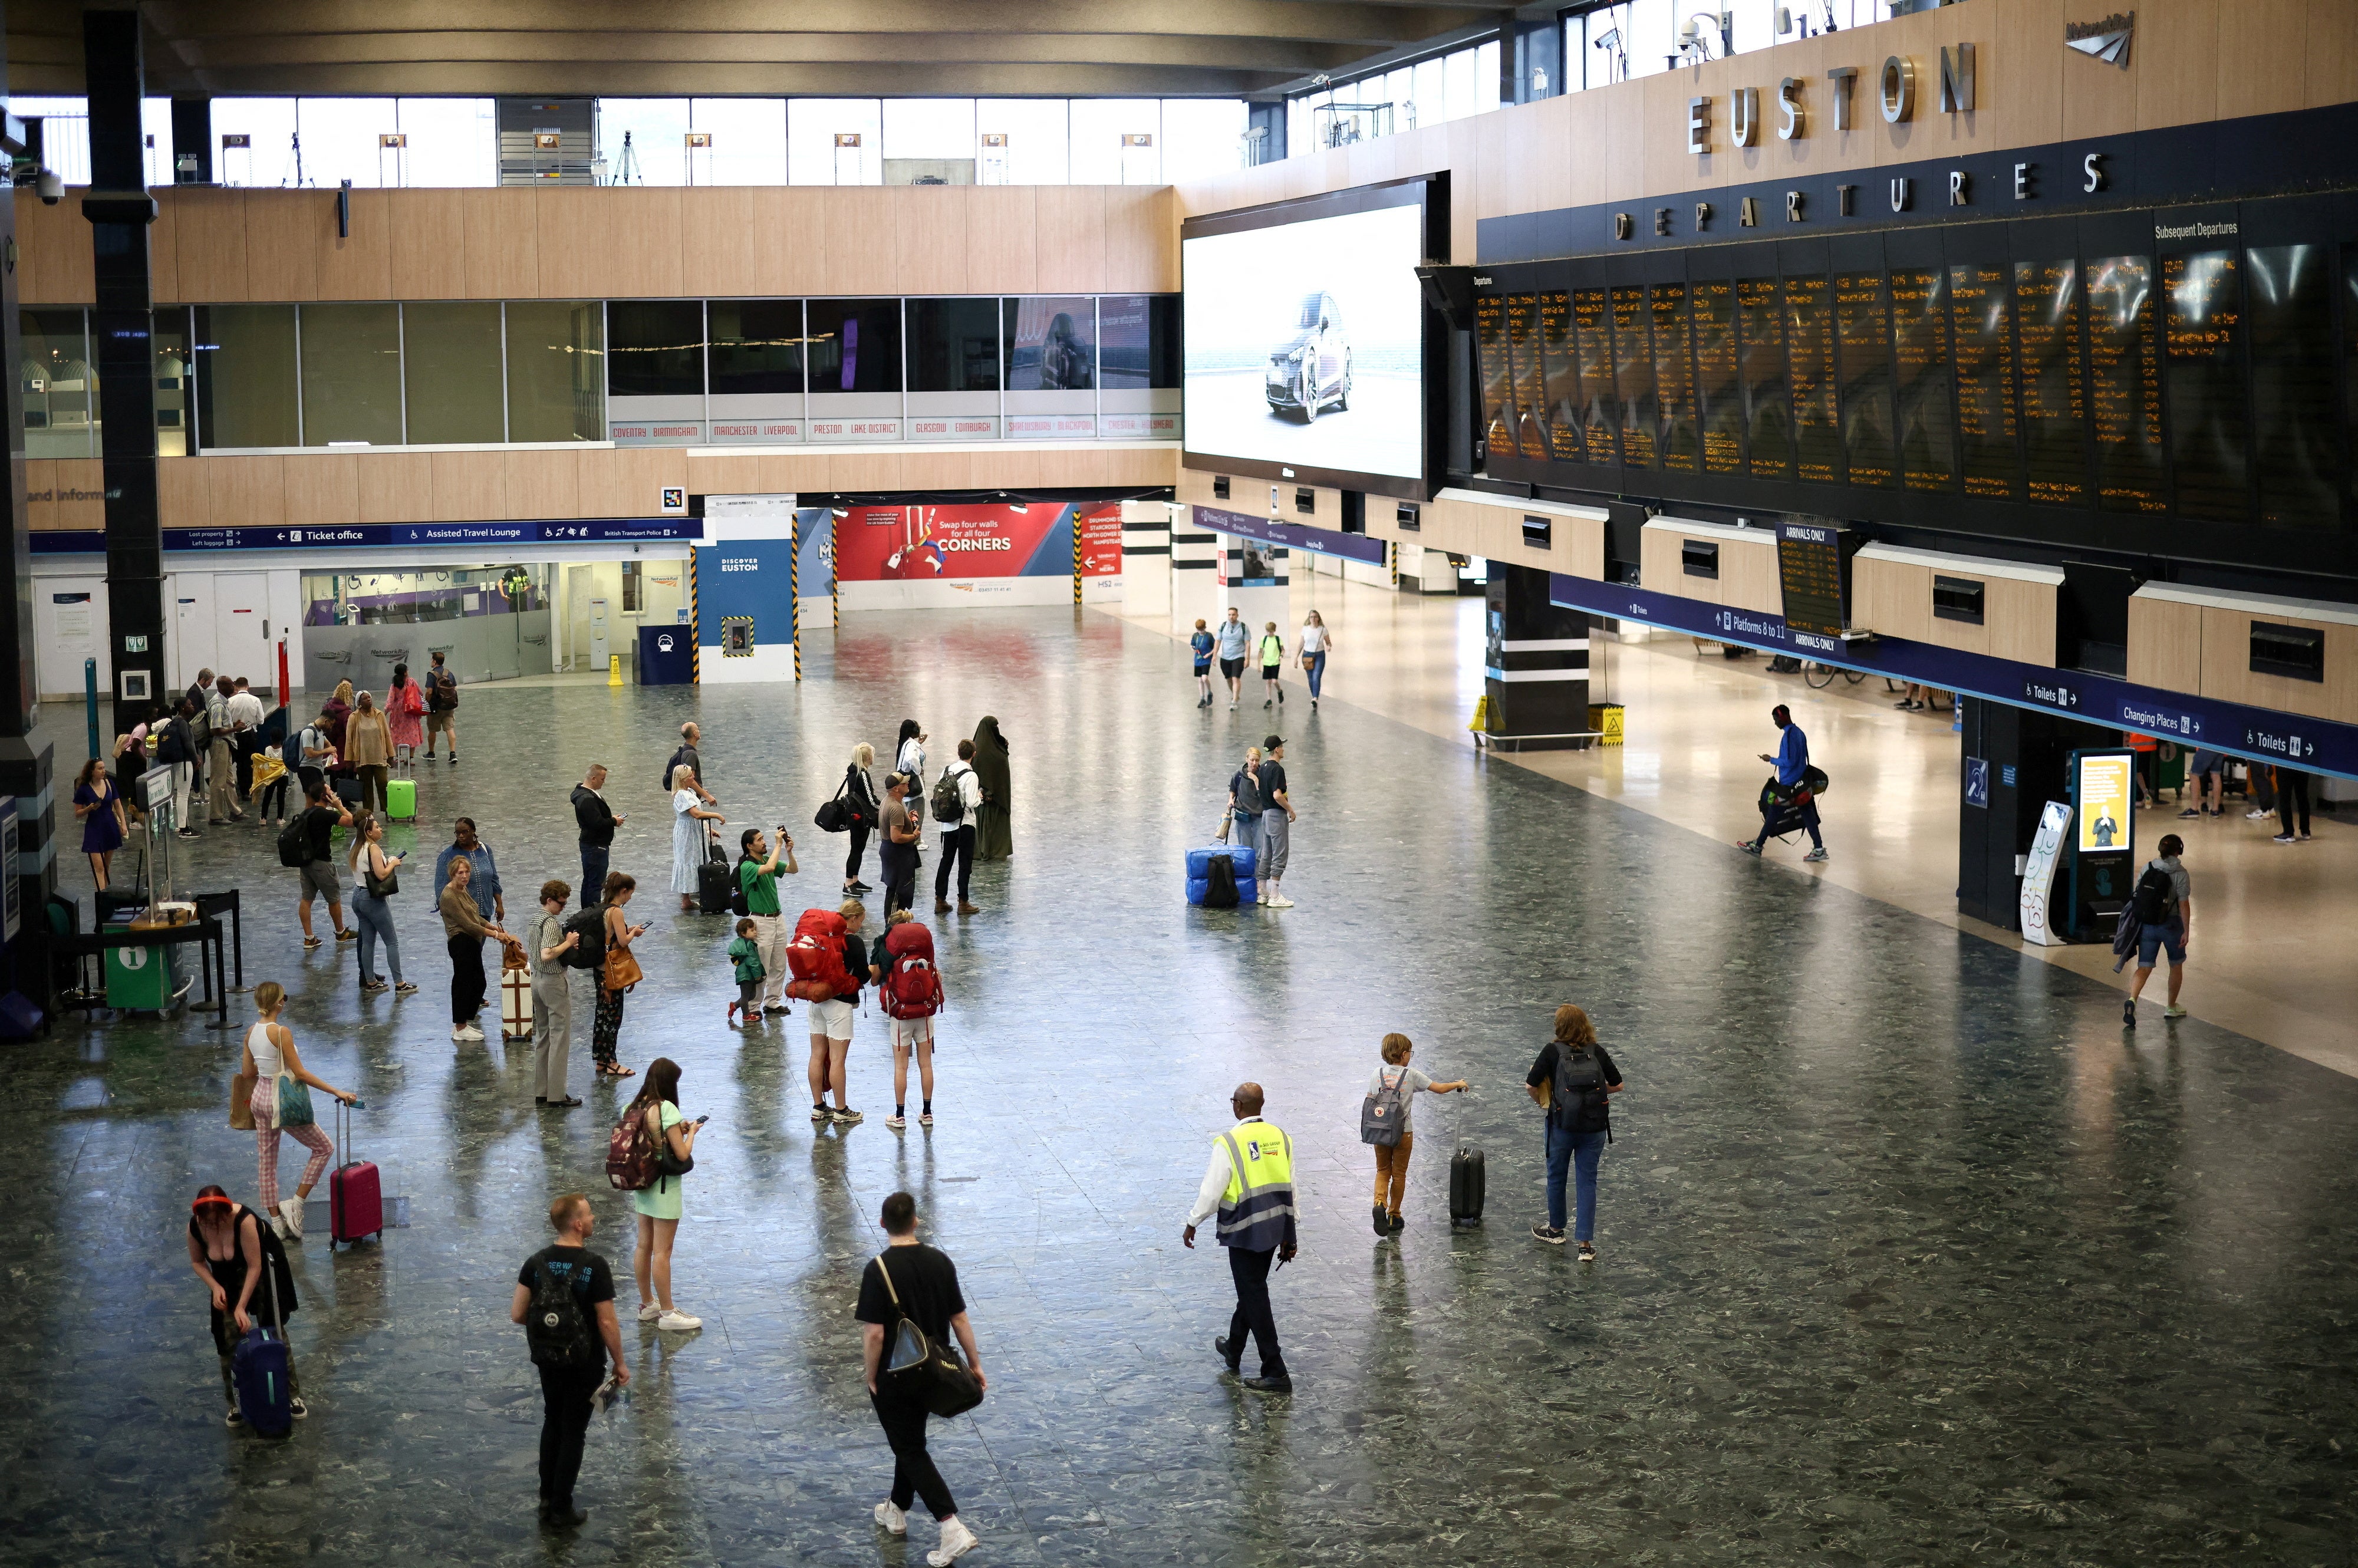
[(700, 1121)]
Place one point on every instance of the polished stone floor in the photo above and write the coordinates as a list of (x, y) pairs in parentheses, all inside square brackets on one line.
[(1910, 1255)]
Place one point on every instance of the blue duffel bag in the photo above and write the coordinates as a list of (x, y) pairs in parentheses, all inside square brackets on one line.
[(1241, 862)]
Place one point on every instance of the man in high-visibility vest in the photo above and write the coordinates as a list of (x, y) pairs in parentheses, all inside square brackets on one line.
[(1250, 1182)]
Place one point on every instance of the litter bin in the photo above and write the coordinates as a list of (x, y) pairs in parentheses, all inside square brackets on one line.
[(667, 655)]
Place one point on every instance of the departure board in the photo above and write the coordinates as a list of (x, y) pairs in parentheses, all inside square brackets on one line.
[(2054, 381), (1768, 413), (1810, 350), (2124, 385), (1497, 376), (2202, 367), (1529, 380), (1862, 351), (1599, 412), (1809, 565), (1919, 355), (1562, 387), (1673, 376), (1719, 400), (1633, 375), (1980, 328), (2288, 290)]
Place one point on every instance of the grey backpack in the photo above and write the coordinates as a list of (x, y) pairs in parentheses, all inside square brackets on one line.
[(1385, 1112)]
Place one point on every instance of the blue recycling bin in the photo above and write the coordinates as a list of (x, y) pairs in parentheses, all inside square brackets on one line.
[(667, 655)]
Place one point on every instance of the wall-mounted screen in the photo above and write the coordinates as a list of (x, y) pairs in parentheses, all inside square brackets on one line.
[(1306, 334)]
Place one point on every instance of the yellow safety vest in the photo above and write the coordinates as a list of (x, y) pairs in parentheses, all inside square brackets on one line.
[(1257, 1210)]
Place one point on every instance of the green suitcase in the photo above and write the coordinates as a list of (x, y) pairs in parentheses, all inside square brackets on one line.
[(401, 799)]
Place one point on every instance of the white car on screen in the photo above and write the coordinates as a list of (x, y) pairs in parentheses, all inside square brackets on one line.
[(1313, 368)]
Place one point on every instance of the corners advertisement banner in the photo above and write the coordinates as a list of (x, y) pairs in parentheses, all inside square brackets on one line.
[(916, 556)]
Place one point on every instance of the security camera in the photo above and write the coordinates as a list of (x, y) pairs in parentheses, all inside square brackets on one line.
[(51, 186)]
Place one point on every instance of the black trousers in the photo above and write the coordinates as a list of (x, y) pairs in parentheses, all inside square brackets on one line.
[(900, 866), (466, 988), (1251, 1272), (593, 872), (913, 1474), (859, 847), (566, 1408), (956, 846), (2292, 795)]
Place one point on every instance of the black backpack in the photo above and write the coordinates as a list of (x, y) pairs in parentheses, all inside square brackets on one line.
[(2156, 897), (295, 840), (554, 1325), (1580, 1100), (738, 904), (949, 806), (589, 925), (1220, 882)]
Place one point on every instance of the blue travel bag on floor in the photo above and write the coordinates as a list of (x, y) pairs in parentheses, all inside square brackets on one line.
[(1242, 857)]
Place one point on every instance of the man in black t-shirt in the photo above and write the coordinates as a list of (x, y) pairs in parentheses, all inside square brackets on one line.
[(922, 1286), (569, 1394), (318, 822), (1576, 1080), (1276, 824)]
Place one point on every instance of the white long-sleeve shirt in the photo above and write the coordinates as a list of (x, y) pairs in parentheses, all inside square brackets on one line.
[(970, 790), (1215, 1180)]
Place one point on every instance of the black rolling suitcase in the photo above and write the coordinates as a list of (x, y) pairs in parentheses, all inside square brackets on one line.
[(1467, 1181), (714, 881)]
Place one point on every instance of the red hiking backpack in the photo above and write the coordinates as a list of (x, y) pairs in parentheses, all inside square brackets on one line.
[(815, 956), (631, 1155), (913, 981)]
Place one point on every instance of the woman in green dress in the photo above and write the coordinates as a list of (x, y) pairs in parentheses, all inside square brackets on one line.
[(659, 1205), (994, 838)]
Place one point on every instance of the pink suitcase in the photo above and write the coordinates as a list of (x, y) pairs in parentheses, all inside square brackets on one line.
[(355, 1196)]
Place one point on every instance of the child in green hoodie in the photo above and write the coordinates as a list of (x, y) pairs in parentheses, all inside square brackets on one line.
[(746, 953)]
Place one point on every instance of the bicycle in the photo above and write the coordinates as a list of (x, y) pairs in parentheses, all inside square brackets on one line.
[(1821, 676)]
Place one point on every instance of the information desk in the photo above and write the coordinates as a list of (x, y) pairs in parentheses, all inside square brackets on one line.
[(159, 944)]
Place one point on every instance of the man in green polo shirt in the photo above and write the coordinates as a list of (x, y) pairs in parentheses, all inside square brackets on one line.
[(757, 874)]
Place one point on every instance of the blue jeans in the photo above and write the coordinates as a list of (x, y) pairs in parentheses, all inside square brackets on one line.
[(1581, 1151), (1317, 668), (593, 872), (375, 921)]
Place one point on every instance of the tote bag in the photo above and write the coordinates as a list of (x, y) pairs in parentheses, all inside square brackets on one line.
[(294, 1102)]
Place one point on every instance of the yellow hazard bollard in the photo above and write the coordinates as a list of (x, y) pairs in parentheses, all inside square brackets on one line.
[(1480, 723), (614, 671)]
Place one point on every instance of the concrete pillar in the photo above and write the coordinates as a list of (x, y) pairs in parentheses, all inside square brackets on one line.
[(1535, 663)]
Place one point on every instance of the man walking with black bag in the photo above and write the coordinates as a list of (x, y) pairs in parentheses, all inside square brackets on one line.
[(910, 1280), (1251, 1182), (565, 1299), (595, 820)]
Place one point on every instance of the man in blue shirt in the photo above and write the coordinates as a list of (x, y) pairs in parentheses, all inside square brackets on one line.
[(1792, 764), (1235, 641), (485, 881)]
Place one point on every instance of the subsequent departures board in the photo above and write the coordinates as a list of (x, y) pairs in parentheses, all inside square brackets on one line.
[(1812, 565)]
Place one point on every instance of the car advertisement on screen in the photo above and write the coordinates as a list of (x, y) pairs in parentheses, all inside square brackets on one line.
[(1303, 343), (905, 558)]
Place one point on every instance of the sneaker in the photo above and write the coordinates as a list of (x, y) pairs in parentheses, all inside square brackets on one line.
[(562, 1516), (818, 1113), (1903, 704), (369, 987), (956, 1541), (2129, 1012), (1587, 1252), (1278, 901), (1383, 1227), (1232, 705), (312, 944), (454, 759), (235, 1417), (896, 1121), (296, 1409), (1818, 854), (1268, 702), (677, 1322), (2256, 814), (844, 1115), (349, 934), (926, 1118), (1313, 705), (293, 1210), (1399, 1225), (1749, 846), (752, 1015), (649, 1311), (1549, 1234), (474, 1031), (2281, 839), (1233, 1355), (1281, 697), (459, 1035), (890, 1519), (2192, 811), (278, 1228), (2174, 1010), (188, 833), (732, 1012), (405, 988)]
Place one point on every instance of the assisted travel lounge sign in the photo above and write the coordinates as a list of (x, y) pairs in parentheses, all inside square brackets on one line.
[(379, 536), (2319, 743)]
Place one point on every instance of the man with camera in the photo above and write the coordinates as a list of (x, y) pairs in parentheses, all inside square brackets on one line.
[(758, 865)]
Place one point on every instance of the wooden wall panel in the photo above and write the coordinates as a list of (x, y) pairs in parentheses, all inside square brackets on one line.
[(41, 494), (2098, 100), (2024, 55), (163, 255), (1141, 241), (500, 241), (794, 474), (2165, 644), (1493, 178), (426, 243), (395, 487), (609, 242), (2021, 620), (53, 265), (1072, 238), (1965, 636), (724, 472), (931, 222), (283, 230), (322, 491), (247, 492), (81, 492), (542, 482), (787, 220), (360, 266), (183, 499), (2329, 45), (2228, 676), (2263, 56), (1003, 240), (721, 240), (1747, 577), (923, 470), (1659, 567), (1892, 599), (469, 487), (210, 246), (2176, 62)]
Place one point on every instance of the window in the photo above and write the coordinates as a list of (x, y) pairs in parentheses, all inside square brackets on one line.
[(817, 152), (340, 141), (451, 373), (452, 142), (757, 347), (1201, 136), (555, 370), (352, 375), (749, 140), (655, 130), (929, 141), (268, 125), (1036, 144), (633, 589), (170, 346), (855, 345), (953, 345), (60, 385), (654, 348), (1099, 155), (246, 376)]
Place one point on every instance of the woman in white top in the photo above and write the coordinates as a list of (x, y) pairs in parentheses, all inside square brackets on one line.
[(269, 1052), (912, 757), (1316, 644), (688, 835)]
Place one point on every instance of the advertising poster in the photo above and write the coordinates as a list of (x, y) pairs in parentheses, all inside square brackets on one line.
[(1100, 528), (2107, 785), (1052, 369), (915, 558)]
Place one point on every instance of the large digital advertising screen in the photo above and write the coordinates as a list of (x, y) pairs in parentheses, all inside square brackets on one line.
[(2108, 802), (1304, 340)]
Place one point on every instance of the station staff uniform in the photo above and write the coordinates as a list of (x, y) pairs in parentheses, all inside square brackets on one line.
[(1250, 1182)]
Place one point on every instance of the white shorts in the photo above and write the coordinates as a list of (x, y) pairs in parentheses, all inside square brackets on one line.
[(911, 1033), (832, 1019)]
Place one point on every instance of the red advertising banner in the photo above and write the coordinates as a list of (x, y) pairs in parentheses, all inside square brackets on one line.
[(1100, 540), (932, 543)]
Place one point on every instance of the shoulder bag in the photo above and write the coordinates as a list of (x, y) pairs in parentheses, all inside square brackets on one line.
[(621, 971), (379, 887), (241, 1102), (917, 1368), (294, 1102), (833, 815)]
